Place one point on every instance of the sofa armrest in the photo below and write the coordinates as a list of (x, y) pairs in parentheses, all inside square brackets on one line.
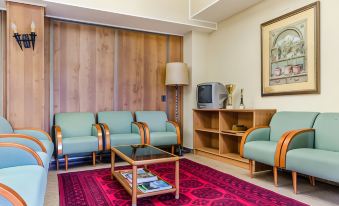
[(13, 154), (146, 132), (138, 129), (37, 133), (279, 148), (26, 140), (58, 139), (107, 136), (302, 138), (11, 196), (96, 131), (174, 127), (254, 134)]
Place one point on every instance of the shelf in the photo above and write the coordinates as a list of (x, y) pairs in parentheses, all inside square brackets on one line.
[(232, 133), (235, 156), (209, 150), (211, 130)]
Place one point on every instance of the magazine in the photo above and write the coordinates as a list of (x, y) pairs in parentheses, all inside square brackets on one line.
[(154, 186), (143, 176)]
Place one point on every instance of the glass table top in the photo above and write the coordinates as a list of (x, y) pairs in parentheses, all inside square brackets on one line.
[(142, 152)]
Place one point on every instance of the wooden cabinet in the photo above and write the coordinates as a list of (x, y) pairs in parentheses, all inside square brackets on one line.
[(213, 135)]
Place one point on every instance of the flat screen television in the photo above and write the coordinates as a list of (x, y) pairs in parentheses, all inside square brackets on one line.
[(211, 95)]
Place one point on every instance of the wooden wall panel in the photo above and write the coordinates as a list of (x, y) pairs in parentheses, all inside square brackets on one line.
[(25, 100), (47, 74), (83, 61)]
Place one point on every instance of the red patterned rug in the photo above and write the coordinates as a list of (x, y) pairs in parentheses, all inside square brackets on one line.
[(199, 185)]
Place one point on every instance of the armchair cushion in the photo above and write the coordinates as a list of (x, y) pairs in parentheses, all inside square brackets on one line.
[(5, 126), (73, 145), (34, 133), (156, 120), (261, 151), (11, 156), (125, 139), (119, 122), (28, 181), (314, 162), (163, 138), (75, 124), (286, 121), (327, 132)]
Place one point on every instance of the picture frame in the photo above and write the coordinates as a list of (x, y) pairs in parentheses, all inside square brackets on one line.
[(290, 53)]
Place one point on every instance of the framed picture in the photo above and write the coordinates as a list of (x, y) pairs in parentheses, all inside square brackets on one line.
[(290, 58)]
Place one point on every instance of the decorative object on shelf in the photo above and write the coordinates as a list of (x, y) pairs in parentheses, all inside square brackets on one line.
[(239, 127), (242, 105), (230, 89), (290, 50), (25, 39), (176, 75)]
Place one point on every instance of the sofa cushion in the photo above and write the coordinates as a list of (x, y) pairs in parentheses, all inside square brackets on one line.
[(163, 138), (261, 151), (327, 131), (285, 121), (156, 120), (28, 181), (75, 124), (74, 145), (5, 126), (318, 163), (125, 139), (119, 122)]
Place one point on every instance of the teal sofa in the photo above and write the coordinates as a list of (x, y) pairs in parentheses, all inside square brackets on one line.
[(23, 178), (313, 152), (158, 130), (120, 129), (263, 144), (76, 133)]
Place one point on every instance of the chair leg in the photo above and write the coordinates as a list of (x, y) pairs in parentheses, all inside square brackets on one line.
[(172, 149), (100, 157), (294, 179), (251, 168), (57, 163), (275, 174), (66, 162), (312, 180), (94, 158)]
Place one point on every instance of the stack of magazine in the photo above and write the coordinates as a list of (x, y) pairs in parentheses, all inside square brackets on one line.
[(147, 181)]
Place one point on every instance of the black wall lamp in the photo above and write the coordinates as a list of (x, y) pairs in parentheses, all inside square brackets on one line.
[(25, 39)]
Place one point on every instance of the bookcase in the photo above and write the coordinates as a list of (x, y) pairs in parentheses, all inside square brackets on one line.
[(213, 135)]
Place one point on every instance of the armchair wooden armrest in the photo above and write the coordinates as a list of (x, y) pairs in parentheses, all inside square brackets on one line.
[(245, 136), (58, 139), (177, 129), (99, 135), (37, 130), (279, 148), (11, 195), (141, 131), (25, 148), (288, 141), (107, 136), (22, 136), (146, 132)]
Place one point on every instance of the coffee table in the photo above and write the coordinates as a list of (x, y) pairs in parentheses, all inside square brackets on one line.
[(142, 155)]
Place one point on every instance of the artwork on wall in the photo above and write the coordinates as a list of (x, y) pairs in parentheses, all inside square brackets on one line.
[(290, 53)]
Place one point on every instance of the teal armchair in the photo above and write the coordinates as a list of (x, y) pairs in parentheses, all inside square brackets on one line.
[(119, 129), (76, 133), (158, 130), (23, 178), (313, 152), (263, 144)]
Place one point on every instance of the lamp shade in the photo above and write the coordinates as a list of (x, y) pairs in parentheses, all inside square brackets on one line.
[(176, 74)]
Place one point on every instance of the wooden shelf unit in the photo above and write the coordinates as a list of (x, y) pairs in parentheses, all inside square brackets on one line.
[(213, 135)]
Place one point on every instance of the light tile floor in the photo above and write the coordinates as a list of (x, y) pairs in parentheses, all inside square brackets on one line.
[(321, 195)]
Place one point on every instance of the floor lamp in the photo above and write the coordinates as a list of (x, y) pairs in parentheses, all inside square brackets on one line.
[(176, 75)]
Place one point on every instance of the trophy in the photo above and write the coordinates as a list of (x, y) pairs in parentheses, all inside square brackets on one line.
[(242, 105), (230, 89)]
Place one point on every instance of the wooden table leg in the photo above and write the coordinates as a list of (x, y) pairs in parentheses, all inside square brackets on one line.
[(177, 179), (134, 186), (112, 163)]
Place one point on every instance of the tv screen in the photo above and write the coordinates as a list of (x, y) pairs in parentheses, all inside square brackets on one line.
[(205, 94)]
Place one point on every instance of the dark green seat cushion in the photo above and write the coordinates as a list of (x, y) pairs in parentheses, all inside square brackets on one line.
[(260, 151), (125, 139), (74, 145)]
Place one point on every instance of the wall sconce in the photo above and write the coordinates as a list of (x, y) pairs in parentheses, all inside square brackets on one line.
[(25, 39)]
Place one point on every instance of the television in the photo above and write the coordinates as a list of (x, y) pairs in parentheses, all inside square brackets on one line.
[(211, 95)]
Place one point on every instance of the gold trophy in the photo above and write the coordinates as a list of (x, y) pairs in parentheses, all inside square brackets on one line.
[(230, 89)]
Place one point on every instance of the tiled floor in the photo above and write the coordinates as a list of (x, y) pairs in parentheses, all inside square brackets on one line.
[(320, 195)]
